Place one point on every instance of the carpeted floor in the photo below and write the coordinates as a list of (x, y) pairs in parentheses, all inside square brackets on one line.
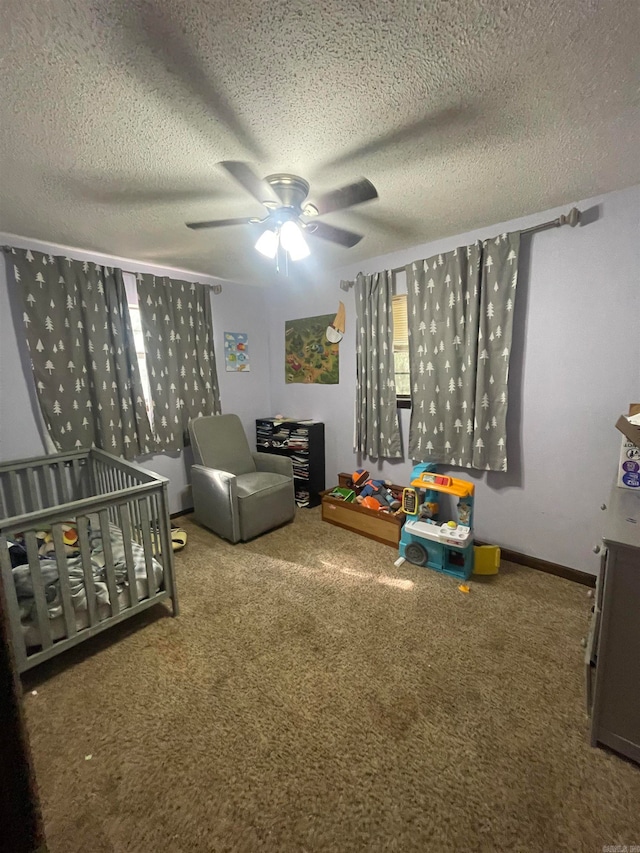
[(311, 697)]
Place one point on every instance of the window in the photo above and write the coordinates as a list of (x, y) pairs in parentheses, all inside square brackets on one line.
[(401, 350), (136, 325), (131, 290)]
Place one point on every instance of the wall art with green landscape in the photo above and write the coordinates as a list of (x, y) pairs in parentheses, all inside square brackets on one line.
[(309, 357)]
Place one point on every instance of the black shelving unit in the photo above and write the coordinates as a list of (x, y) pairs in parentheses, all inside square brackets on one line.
[(303, 442)]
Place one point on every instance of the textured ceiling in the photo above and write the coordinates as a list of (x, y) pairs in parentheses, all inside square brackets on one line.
[(115, 115)]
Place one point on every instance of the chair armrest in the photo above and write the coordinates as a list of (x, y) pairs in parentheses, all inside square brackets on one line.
[(215, 500), (273, 464)]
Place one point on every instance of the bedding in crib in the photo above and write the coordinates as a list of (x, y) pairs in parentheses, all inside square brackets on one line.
[(50, 577)]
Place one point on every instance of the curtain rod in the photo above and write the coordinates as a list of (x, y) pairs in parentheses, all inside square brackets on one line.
[(216, 288), (572, 218)]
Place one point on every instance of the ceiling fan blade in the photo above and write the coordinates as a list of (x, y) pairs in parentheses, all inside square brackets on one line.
[(246, 177), (334, 234), (356, 193), (218, 223)]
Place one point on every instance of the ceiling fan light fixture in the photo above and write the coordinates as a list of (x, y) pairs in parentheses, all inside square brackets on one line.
[(284, 195), (293, 242), (267, 243)]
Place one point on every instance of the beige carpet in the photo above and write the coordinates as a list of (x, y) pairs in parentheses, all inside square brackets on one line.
[(311, 697)]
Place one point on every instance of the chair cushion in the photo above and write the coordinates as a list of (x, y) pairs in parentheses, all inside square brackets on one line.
[(265, 501), (259, 481)]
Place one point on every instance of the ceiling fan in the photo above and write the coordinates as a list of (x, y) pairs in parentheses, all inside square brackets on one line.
[(289, 215)]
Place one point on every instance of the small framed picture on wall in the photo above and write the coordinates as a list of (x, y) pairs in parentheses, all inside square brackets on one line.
[(236, 352)]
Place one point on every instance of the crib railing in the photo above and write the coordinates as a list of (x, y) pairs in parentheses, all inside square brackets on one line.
[(49, 492), (30, 485)]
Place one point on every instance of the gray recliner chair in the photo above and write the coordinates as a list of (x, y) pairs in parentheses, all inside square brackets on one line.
[(236, 493)]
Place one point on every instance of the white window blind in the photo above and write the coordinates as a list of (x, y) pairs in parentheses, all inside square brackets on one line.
[(401, 345), (400, 323)]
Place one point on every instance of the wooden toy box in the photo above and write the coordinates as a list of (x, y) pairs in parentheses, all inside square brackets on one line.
[(384, 527)]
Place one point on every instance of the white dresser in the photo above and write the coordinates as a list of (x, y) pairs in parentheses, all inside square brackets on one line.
[(613, 645)]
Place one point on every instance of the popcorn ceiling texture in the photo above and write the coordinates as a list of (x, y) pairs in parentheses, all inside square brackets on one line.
[(114, 116)]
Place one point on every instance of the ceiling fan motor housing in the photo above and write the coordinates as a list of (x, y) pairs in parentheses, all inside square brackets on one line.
[(291, 189)]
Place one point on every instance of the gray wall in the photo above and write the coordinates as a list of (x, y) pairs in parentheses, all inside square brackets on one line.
[(575, 367), (239, 308)]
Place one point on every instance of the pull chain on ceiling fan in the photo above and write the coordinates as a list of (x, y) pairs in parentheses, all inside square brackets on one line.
[(289, 215)]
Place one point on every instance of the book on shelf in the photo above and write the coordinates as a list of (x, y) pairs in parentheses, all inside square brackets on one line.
[(302, 497)]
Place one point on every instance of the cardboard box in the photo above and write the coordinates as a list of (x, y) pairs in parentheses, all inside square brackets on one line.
[(629, 463)]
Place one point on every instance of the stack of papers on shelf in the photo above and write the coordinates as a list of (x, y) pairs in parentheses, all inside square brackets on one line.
[(300, 466), (302, 497)]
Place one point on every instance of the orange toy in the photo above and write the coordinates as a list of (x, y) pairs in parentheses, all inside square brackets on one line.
[(371, 503)]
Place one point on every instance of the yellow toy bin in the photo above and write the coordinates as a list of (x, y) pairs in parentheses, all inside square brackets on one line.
[(486, 559)]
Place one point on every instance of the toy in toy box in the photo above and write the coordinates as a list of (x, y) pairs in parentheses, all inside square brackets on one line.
[(425, 541), (374, 494), (343, 494), (345, 481)]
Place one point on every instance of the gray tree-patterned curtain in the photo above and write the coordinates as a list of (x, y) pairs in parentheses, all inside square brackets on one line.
[(178, 334), (82, 353), (377, 433), (460, 309)]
